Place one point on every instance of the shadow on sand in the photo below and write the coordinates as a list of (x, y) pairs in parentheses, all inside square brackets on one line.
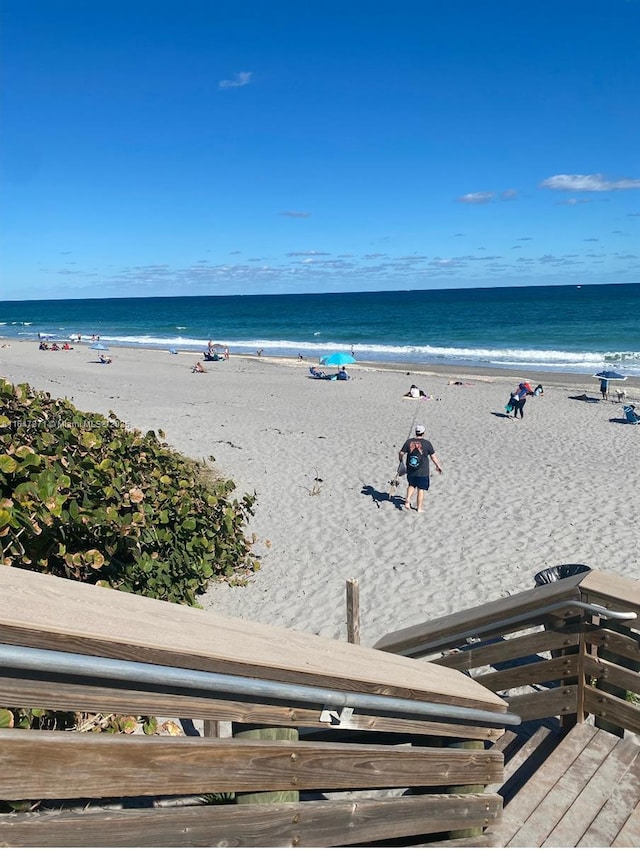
[(584, 397), (378, 496)]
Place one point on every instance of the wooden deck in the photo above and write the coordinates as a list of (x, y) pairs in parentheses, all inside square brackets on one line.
[(585, 792)]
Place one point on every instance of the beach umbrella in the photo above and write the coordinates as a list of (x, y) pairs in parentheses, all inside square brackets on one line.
[(610, 375), (338, 358), (98, 346)]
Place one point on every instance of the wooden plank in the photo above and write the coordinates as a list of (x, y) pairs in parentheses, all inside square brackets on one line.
[(629, 835), (58, 695), (554, 702), (74, 765), (505, 741), (565, 667), (623, 798), (612, 709), (507, 650), (53, 613), (311, 824), (439, 630), (612, 591), (266, 733), (478, 841), (613, 674), (535, 831), (581, 813), (527, 749), (534, 792), (620, 644)]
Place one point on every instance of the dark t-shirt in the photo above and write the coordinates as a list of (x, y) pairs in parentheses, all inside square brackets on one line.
[(427, 450)]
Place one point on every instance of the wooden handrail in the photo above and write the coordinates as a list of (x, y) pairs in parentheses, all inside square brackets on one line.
[(591, 652), (45, 612)]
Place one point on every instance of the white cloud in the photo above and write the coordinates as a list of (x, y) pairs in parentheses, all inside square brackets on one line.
[(571, 202), (476, 198), (295, 214), (588, 183), (308, 254), (509, 195), (241, 79)]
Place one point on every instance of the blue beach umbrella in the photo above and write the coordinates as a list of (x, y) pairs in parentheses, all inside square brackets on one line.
[(610, 375), (98, 346), (338, 358)]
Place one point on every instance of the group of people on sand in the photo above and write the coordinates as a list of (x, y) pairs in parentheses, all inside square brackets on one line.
[(213, 351), (341, 375), (44, 346), (417, 453)]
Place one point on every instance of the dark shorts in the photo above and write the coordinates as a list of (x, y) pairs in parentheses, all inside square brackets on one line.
[(419, 481)]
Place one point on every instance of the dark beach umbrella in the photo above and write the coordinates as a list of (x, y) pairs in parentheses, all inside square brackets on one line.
[(610, 375)]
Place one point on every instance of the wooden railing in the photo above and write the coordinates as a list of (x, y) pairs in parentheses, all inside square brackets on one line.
[(567, 662), (351, 778)]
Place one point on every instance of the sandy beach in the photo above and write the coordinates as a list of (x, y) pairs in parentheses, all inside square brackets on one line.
[(514, 497)]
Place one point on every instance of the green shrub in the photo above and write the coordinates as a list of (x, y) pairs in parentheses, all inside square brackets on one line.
[(83, 497)]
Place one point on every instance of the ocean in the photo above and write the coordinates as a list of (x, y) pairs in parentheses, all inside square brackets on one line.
[(548, 328)]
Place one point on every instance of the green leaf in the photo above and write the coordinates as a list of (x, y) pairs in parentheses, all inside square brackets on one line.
[(8, 464), (6, 719)]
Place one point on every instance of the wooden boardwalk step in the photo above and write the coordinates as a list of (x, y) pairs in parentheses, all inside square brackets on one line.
[(522, 758), (586, 794)]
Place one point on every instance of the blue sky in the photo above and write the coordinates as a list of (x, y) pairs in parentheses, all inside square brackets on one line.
[(209, 147)]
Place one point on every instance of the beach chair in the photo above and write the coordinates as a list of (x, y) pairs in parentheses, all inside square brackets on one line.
[(630, 414)]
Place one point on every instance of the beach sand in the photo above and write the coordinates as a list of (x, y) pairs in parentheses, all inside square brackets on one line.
[(515, 496)]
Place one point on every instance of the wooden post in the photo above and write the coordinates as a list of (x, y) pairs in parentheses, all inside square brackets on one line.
[(211, 729), (278, 733), (474, 831), (353, 611)]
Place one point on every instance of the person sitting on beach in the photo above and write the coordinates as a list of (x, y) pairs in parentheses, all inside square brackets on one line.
[(316, 373), (538, 390), (343, 375), (414, 392), (55, 347), (67, 347), (198, 367), (105, 360), (43, 346)]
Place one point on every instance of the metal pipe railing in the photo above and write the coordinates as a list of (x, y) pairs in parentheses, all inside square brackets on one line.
[(498, 625), (137, 672)]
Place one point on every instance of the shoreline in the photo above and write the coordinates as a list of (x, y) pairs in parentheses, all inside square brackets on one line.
[(452, 370), (515, 496)]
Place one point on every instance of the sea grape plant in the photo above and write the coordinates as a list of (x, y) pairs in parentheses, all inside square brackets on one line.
[(84, 497)]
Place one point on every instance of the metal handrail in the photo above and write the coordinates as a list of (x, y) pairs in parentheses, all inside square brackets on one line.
[(52, 661), (497, 625)]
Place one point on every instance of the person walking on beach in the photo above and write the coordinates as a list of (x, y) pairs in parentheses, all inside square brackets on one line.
[(518, 400), (604, 389), (417, 451)]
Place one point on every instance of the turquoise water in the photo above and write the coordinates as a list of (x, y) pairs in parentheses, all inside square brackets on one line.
[(559, 328)]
